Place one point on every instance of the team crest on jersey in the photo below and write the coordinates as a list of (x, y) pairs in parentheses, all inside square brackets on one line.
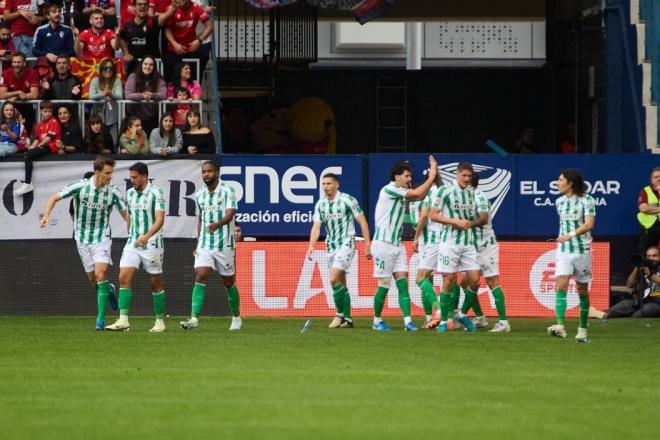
[(495, 183)]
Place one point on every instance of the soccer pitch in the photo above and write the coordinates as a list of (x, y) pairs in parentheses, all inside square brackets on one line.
[(61, 379)]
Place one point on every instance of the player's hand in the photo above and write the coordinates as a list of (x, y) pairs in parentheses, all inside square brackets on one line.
[(309, 253), (563, 238), (212, 227), (367, 250), (433, 165), (44, 221), (415, 246), (141, 241), (463, 224), (195, 253)]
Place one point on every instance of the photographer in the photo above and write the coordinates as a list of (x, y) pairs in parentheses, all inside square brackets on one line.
[(644, 281)]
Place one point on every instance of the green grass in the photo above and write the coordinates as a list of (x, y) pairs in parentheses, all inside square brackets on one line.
[(60, 379)]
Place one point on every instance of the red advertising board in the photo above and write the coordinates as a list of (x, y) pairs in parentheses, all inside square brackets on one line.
[(275, 279)]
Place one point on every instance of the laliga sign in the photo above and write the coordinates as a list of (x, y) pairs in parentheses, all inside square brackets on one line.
[(543, 284), (493, 182)]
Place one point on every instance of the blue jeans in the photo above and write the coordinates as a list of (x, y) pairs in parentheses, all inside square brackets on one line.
[(23, 43), (7, 148)]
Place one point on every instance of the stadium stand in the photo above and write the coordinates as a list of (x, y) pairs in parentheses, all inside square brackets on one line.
[(646, 15)]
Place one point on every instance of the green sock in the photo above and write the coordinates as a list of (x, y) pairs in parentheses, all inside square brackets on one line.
[(347, 304), (560, 307), (102, 293), (379, 301), (455, 292), (404, 296), (584, 310), (428, 296), (476, 306), (125, 297), (158, 299), (197, 299), (498, 294), (234, 301), (445, 304), (338, 295), (468, 301)]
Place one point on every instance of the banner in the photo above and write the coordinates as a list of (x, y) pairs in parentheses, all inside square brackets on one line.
[(275, 279), (523, 188), (276, 194)]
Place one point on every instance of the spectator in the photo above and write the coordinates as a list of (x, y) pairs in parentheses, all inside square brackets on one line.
[(83, 9), (10, 129), (140, 36), (45, 74), (96, 42), (182, 95), (238, 233), (183, 78), (71, 141), (64, 85), (197, 139), (48, 133), (133, 138), (526, 143), (107, 88), (644, 281), (20, 83), (145, 84), (97, 138), (568, 144), (648, 216), (6, 46), (166, 139), (24, 138), (24, 18), (127, 11), (53, 39), (182, 38)]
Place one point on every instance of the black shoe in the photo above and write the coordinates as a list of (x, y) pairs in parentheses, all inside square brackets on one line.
[(346, 324)]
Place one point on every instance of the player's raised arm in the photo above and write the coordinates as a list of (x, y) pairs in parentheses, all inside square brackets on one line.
[(45, 219), (420, 192)]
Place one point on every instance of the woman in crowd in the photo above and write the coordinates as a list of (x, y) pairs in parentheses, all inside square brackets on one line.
[(97, 138), (10, 129), (183, 78), (145, 84), (133, 138), (165, 139), (107, 87), (197, 139), (71, 141)]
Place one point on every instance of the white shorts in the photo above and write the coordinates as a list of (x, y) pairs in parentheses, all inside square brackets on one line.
[(453, 258), (220, 261), (151, 259), (342, 257), (388, 259), (90, 254), (427, 257), (489, 260), (574, 264)]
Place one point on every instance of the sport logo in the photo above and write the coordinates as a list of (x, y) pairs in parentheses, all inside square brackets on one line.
[(493, 182), (543, 283)]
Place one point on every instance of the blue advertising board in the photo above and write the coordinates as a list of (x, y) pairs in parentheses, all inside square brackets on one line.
[(522, 188), (276, 194)]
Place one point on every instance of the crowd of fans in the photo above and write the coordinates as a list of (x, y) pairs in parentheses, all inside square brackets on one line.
[(43, 45)]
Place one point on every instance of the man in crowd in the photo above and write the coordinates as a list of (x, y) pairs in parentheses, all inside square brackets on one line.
[(64, 85), (6, 45), (182, 38), (53, 39), (24, 18), (20, 83), (96, 42), (649, 212)]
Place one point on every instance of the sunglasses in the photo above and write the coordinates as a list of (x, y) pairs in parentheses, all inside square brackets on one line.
[(109, 69)]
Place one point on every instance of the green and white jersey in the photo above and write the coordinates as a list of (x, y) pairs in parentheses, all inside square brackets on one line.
[(454, 202), (142, 207), (92, 207), (572, 212), (338, 216), (431, 232), (211, 207), (390, 213), (485, 234)]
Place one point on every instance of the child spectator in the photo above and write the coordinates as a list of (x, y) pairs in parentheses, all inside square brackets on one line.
[(182, 94), (97, 138), (10, 129), (166, 139), (133, 139), (48, 133)]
